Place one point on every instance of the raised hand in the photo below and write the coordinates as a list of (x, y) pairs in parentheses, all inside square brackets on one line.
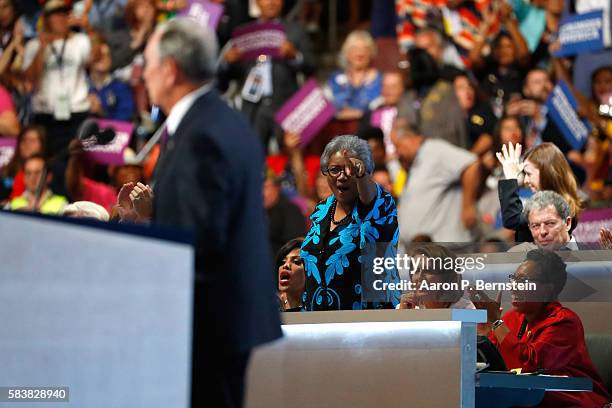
[(291, 141), (408, 301), (353, 167), (124, 207), (142, 201), (605, 238), (510, 159), (484, 302), (123, 198), (287, 50), (232, 55)]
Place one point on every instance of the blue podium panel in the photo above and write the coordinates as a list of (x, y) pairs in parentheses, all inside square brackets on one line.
[(105, 313), (499, 390)]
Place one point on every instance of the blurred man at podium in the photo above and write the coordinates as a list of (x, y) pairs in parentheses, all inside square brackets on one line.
[(209, 178)]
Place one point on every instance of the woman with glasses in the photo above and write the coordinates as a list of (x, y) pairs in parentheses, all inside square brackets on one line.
[(540, 335), (352, 226), (543, 168), (438, 267)]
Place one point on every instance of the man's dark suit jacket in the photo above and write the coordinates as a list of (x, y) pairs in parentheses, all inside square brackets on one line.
[(209, 178)]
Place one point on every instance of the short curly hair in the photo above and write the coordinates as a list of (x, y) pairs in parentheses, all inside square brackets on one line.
[(551, 266), (353, 144)]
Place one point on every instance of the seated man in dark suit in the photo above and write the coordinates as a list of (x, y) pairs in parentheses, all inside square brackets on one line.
[(549, 219), (208, 179), (276, 78)]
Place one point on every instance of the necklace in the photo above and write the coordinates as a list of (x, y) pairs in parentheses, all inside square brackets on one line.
[(333, 212)]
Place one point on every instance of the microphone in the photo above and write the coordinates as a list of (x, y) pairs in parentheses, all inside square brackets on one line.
[(90, 133), (105, 136), (88, 129)]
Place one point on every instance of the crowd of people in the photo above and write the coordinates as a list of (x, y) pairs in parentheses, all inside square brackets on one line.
[(460, 94), (452, 141)]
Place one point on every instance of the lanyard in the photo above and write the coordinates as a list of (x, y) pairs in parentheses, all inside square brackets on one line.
[(59, 57)]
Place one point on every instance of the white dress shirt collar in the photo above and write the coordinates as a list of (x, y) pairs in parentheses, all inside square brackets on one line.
[(572, 244), (178, 111)]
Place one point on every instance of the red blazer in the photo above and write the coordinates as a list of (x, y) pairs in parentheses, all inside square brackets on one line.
[(555, 343)]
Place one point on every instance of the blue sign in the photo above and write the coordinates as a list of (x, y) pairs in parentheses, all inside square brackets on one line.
[(581, 33), (561, 106)]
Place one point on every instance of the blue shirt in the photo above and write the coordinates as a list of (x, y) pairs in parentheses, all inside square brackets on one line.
[(348, 96), (116, 99)]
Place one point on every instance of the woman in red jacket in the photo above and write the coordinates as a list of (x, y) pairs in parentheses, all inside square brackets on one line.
[(540, 334)]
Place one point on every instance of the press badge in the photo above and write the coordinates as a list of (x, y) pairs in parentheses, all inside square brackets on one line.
[(253, 86), (62, 107), (259, 80)]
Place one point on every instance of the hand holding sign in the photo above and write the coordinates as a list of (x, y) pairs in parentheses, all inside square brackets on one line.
[(292, 142), (232, 55), (112, 152), (287, 50), (206, 13), (255, 39), (306, 112), (581, 33), (7, 150), (562, 108)]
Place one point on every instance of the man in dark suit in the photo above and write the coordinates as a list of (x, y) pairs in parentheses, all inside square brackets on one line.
[(209, 179), (549, 220), (277, 77)]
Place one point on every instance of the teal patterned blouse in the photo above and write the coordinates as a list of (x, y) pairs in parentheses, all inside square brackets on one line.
[(338, 264)]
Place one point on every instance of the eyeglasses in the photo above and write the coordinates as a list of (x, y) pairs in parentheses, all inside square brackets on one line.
[(550, 224), (334, 171), (523, 279)]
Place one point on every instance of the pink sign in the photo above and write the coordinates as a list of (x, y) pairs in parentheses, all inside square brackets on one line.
[(255, 39), (7, 150), (111, 153), (306, 112), (206, 13), (383, 118), (590, 222)]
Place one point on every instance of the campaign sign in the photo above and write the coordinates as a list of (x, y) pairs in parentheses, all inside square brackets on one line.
[(561, 106), (7, 150), (591, 221), (206, 13), (255, 39), (306, 112), (383, 118), (111, 153), (581, 33)]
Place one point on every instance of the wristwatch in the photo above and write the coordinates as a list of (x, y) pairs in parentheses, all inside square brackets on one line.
[(496, 324)]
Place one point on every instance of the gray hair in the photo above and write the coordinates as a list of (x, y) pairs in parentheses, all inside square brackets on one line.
[(354, 145), (86, 209), (351, 39), (543, 199), (191, 46)]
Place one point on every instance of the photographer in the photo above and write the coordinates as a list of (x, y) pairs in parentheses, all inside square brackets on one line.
[(55, 64)]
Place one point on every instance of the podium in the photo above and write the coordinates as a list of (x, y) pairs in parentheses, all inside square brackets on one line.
[(411, 358), (105, 310)]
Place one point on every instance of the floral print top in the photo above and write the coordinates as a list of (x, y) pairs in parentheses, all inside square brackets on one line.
[(339, 263)]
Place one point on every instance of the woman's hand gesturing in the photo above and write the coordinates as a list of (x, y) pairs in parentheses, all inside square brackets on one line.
[(510, 159)]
